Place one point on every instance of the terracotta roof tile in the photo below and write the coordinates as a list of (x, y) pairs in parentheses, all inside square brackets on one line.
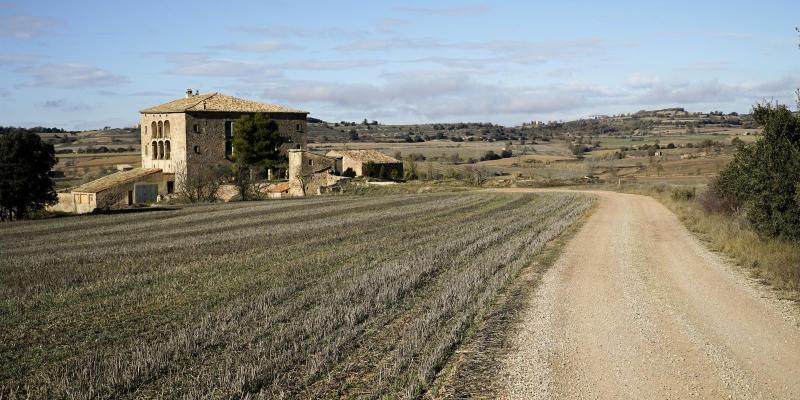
[(364, 156), (115, 179), (217, 102)]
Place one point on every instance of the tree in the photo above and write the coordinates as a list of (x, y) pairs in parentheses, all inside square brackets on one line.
[(203, 185), (764, 177), (256, 143), (25, 183)]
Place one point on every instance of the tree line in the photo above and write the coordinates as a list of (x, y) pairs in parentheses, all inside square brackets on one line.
[(36, 129)]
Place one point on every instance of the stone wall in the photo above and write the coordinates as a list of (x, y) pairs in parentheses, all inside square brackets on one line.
[(311, 173), (175, 136), (198, 138)]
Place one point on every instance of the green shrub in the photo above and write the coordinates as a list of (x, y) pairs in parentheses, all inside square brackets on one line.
[(765, 176)]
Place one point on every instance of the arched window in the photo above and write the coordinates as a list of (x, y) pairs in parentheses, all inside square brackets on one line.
[(160, 150), (160, 129), (155, 150), (166, 149), (153, 129), (166, 128)]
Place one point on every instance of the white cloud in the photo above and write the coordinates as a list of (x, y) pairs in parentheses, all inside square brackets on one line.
[(714, 91), (494, 51), (641, 81), (16, 59), (464, 11), (267, 46), (199, 64), (65, 105), (390, 24), (24, 26), (69, 76), (437, 96)]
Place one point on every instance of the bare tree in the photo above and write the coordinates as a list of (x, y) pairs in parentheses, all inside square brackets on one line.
[(203, 184), (477, 176)]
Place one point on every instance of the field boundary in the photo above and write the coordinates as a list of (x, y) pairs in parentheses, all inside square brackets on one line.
[(472, 367)]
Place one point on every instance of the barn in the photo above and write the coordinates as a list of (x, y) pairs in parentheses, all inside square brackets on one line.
[(371, 163)]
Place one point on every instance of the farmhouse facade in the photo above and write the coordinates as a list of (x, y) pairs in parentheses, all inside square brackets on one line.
[(179, 139), (183, 138), (186, 135)]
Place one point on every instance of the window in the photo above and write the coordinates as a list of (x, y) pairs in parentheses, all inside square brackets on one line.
[(155, 150), (166, 150), (170, 187), (160, 129), (196, 149), (228, 138), (166, 128), (153, 129), (299, 127), (310, 162), (160, 150), (195, 128)]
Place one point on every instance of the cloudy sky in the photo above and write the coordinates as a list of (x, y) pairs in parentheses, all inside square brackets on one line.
[(89, 64)]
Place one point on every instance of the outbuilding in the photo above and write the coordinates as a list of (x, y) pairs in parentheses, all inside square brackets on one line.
[(370, 163)]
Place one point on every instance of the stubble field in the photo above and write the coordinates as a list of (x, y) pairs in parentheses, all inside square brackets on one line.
[(326, 297)]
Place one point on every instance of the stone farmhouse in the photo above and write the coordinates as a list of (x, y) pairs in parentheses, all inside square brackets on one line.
[(183, 137), (196, 132), (311, 173)]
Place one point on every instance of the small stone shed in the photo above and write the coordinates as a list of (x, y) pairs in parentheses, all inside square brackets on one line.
[(117, 189), (370, 163), (311, 173)]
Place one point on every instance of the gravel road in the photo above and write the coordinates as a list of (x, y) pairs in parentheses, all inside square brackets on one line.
[(636, 307)]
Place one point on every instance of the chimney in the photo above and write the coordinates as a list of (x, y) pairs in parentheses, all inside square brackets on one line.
[(188, 93)]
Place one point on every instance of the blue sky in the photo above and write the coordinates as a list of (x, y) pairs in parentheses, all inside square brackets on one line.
[(87, 64)]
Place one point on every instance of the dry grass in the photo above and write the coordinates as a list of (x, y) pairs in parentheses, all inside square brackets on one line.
[(317, 298)]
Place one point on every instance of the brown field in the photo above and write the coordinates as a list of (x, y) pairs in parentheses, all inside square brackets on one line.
[(327, 297)]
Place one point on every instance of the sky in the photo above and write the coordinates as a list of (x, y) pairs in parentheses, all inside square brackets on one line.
[(89, 64)]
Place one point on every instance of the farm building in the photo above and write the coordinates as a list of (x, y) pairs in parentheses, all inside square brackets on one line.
[(135, 186), (179, 140), (311, 173), (371, 163), (196, 132)]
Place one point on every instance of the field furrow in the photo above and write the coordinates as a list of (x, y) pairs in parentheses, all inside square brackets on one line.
[(326, 297)]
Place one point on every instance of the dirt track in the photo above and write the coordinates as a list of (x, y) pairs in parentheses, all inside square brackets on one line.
[(637, 308)]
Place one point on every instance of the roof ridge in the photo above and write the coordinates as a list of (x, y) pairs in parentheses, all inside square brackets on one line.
[(206, 98)]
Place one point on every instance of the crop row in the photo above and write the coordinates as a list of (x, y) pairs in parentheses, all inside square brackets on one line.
[(339, 297)]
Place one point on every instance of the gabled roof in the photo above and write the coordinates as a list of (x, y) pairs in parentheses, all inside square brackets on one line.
[(279, 188), (217, 102), (115, 179), (364, 156)]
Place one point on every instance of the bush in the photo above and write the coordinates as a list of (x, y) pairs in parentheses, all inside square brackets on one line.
[(714, 201), (765, 176), (683, 194), (490, 155)]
